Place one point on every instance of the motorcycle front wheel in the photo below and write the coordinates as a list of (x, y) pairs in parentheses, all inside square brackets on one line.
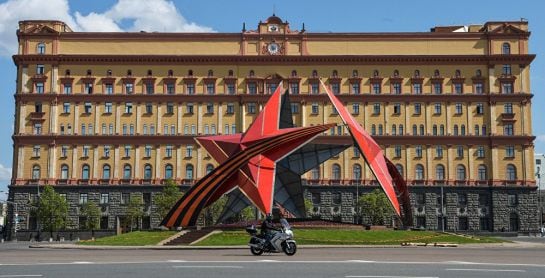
[(256, 251), (290, 248)]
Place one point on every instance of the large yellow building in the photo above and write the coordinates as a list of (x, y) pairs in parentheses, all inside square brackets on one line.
[(105, 115)]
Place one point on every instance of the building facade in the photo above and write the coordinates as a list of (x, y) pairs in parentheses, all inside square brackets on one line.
[(106, 116)]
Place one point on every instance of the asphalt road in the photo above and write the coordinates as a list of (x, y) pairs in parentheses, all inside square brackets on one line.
[(18, 261)]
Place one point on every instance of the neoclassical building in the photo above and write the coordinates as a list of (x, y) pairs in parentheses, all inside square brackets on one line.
[(107, 116)]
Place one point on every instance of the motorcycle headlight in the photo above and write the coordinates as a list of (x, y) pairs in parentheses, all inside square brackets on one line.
[(289, 233)]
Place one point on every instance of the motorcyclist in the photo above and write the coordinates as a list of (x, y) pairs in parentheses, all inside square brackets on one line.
[(268, 229)]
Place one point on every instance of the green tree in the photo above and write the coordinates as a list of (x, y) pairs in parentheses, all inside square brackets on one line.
[(135, 210), (213, 212), (165, 200), (308, 206), (91, 212), (376, 206), (52, 210)]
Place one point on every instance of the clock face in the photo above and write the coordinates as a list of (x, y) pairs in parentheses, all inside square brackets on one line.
[(273, 28), (273, 48)]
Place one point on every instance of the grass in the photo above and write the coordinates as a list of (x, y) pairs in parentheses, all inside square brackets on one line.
[(137, 238), (352, 237)]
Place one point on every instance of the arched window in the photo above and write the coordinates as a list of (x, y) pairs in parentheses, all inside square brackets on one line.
[(64, 172), (460, 172), (67, 72), (336, 172), (106, 171), (170, 73), (375, 73), (419, 172), (394, 130), (415, 130), (434, 129), (421, 129), (482, 172), (36, 172), (457, 73), (127, 171), (440, 172), (416, 73), (147, 172), (506, 48), (380, 129), (396, 73), (189, 171), (314, 73), (463, 130), (210, 73), (251, 73), (335, 73), (442, 130), (40, 48), (455, 130), (400, 129), (355, 73), (399, 168), (190, 72), (478, 73), (168, 171), (315, 173), (511, 172), (85, 172), (293, 73), (373, 130), (129, 72), (150, 72), (356, 172), (230, 73), (477, 129), (209, 168), (436, 73)]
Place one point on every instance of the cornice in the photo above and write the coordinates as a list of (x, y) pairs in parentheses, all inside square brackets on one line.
[(521, 59)]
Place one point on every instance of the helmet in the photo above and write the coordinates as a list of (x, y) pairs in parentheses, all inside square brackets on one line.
[(269, 217)]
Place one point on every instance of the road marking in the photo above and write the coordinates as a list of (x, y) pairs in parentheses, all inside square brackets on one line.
[(361, 261), (375, 276), (22, 275), (485, 270), (207, 266), (176, 261), (82, 263), (269, 261)]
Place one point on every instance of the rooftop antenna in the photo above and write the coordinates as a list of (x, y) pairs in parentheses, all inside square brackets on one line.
[(274, 9)]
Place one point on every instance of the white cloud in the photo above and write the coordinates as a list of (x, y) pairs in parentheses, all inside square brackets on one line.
[(144, 15), (5, 174), (540, 138)]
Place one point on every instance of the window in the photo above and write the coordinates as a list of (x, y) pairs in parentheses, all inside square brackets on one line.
[(316, 198), (189, 151), (336, 172), (419, 172), (109, 89), (107, 107), (127, 149), (147, 151), (189, 108), (36, 172), (85, 172), (479, 88), (506, 69), (315, 173), (128, 107), (87, 107), (439, 151), (210, 88), (394, 130), (106, 171), (508, 129), (40, 48), (104, 198), (64, 151), (336, 88), (484, 130), (506, 48), (440, 172), (314, 108), (417, 88), (455, 130), (437, 108), (355, 86), (168, 171), (40, 70), (251, 106), (459, 151), (437, 88), (421, 129), (399, 168), (147, 172), (509, 151), (189, 171), (295, 108), (314, 88), (507, 87), (480, 151), (150, 88), (170, 108), (64, 172), (480, 108), (481, 172), (356, 172), (355, 108), (230, 108), (39, 87), (129, 88), (231, 90), (397, 151), (417, 108), (252, 88), (67, 88), (168, 151), (190, 87), (420, 199), (418, 151), (376, 108), (508, 108), (477, 130), (107, 151), (85, 152), (396, 88), (397, 109), (458, 108), (380, 131), (125, 129), (83, 198), (127, 171), (460, 172), (355, 152), (458, 88), (209, 168), (170, 88), (400, 129), (376, 88), (511, 174), (441, 130), (434, 130)]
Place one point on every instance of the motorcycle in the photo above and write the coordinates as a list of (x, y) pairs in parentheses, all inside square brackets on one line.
[(281, 241)]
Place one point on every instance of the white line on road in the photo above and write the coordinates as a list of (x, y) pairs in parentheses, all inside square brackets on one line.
[(176, 261), (375, 276), (207, 266), (21, 275), (485, 270), (82, 262)]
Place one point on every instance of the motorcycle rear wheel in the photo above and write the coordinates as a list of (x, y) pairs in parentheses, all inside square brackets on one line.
[(290, 248), (256, 251)]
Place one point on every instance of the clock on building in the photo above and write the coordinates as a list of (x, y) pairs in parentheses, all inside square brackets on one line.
[(273, 28), (273, 48)]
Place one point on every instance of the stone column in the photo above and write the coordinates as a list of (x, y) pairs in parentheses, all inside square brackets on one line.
[(138, 119), (198, 167), (22, 117), (493, 122), (447, 119), (179, 162), (470, 128), (199, 118), (220, 119), (117, 118), (53, 117), (95, 163), (159, 117), (427, 116), (20, 161), (51, 165), (450, 172), (386, 128), (428, 162), (491, 79), (408, 163), (408, 117), (179, 118), (303, 113), (495, 172), (97, 118), (54, 79), (470, 163), (116, 162), (76, 118), (136, 162), (74, 161), (243, 117), (24, 80)]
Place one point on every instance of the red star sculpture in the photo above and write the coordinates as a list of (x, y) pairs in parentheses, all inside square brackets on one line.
[(246, 160)]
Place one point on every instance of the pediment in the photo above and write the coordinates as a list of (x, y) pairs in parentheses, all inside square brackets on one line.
[(507, 29), (40, 29)]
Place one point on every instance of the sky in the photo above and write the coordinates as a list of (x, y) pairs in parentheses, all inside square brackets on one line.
[(228, 16)]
